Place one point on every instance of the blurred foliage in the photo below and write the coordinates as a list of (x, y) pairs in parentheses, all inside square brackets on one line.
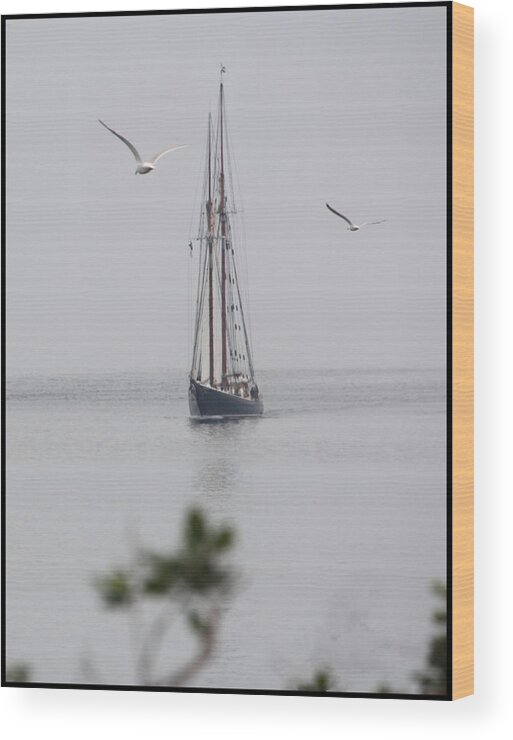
[(17, 673), (196, 568), (190, 582), (433, 679), (322, 680), (115, 589)]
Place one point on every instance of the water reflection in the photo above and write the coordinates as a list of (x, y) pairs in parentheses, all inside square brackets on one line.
[(221, 448), (214, 477)]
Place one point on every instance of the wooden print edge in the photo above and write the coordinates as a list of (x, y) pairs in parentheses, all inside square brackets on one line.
[(463, 351), (462, 364)]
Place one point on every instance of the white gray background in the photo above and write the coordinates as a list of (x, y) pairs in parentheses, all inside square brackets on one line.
[(322, 106), (56, 714), (338, 494)]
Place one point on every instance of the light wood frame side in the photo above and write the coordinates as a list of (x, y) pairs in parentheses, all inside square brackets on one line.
[(463, 350)]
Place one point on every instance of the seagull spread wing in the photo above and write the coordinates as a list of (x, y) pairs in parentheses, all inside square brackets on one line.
[(129, 145), (166, 151), (369, 223), (339, 214)]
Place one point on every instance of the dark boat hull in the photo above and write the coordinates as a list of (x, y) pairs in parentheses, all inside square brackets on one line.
[(205, 401)]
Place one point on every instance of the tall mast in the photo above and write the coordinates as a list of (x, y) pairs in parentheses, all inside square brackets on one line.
[(210, 241), (223, 240)]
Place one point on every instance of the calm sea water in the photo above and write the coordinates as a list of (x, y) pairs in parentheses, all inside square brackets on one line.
[(336, 495)]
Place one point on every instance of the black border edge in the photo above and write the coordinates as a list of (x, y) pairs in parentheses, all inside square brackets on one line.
[(449, 338), (250, 9), (3, 361), (448, 4), (210, 690)]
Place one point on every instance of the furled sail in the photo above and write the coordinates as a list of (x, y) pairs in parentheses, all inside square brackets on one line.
[(222, 355)]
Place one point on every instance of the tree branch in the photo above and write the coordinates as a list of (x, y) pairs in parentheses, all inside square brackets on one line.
[(184, 674), (150, 645)]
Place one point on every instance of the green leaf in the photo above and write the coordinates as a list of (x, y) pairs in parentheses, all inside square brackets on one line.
[(195, 528), (197, 623), (224, 539), (433, 680), (440, 589), (321, 681), (17, 673), (162, 575), (439, 617), (115, 589)]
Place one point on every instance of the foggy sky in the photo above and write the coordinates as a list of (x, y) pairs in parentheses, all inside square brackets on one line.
[(344, 106)]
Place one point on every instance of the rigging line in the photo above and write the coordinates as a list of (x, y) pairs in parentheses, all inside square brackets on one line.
[(235, 182), (202, 278), (200, 307), (200, 176), (233, 337), (223, 238), (201, 270), (248, 348), (233, 345), (231, 166), (200, 297), (245, 341), (216, 287), (189, 305), (211, 215)]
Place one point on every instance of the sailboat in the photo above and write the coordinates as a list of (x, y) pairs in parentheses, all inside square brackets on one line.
[(222, 379)]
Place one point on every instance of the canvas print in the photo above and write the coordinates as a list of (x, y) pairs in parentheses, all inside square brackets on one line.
[(226, 351)]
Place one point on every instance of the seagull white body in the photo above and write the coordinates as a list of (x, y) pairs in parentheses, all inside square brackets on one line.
[(352, 226), (142, 167)]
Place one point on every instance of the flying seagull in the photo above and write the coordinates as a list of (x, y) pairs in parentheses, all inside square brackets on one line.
[(352, 226), (142, 167)]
